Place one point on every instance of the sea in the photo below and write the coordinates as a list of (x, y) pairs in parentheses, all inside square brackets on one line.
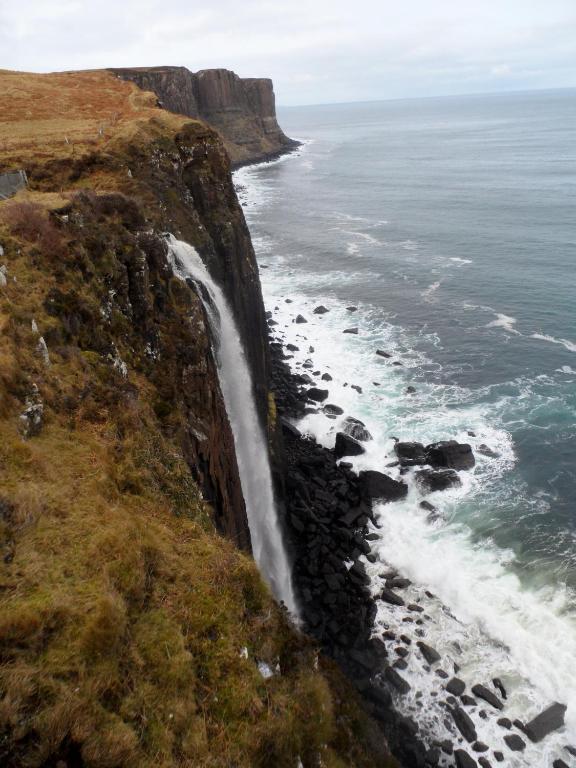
[(444, 231)]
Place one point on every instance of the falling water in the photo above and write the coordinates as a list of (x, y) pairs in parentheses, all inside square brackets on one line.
[(251, 448)]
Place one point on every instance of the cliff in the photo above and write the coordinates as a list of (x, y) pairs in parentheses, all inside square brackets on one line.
[(135, 629), (242, 110)]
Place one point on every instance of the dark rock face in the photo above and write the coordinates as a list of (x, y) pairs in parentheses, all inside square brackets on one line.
[(546, 722), (318, 395), (376, 485), (450, 454), (430, 654), (347, 446), (463, 759), (242, 110), (456, 686), (514, 742), (431, 480), (410, 454)]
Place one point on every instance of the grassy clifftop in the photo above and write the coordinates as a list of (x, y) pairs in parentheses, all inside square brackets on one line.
[(133, 629)]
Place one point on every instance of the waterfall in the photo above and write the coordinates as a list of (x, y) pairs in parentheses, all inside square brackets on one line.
[(251, 447)]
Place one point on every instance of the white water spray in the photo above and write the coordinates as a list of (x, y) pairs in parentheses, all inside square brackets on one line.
[(251, 448)]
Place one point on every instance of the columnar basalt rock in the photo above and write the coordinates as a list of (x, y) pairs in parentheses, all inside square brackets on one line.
[(243, 110)]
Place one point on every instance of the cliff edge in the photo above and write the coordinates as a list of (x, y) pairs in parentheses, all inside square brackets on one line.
[(242, 110), (135, 629)]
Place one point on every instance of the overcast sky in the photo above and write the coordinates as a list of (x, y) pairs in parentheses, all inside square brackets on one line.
[(315, 50)]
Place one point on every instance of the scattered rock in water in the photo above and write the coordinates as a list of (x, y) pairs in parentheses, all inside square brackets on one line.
[(396, 680), (485, 693), (288, 301), (321, 310), (430, 654), (443, 675), (479, 746), (401, 651), (397, 362), (326, 377), (357, 388), (559, 764), (318, 395), (432, 756), (456, 686), (450, 454), (410, 390), (352, 309), (410, 454), (300, 319), (397, 582), (498, 756), (499, 685), (487, 451), (484, 763), (332, 409), (427, 506), (381, 353), (271, 323), (310, 350), (347, 446), (431, 480), (514, 742), (292, 347), (546, 722), (351, 330), (464, 724), (377, 485), (356, 429), (468, 701), (463, 759), (415, 608), (391, 597), (504, 722)]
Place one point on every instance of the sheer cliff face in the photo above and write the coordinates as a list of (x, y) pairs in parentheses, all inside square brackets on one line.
[(242, 110)]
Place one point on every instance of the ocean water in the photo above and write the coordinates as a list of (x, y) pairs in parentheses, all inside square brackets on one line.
[(451, 225)]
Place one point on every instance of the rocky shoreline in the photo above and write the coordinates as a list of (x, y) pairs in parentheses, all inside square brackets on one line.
[(330, 526)]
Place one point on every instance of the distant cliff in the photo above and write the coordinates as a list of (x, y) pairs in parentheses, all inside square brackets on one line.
[(243, 110)]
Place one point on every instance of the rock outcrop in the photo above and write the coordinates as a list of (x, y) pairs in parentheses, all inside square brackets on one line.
[(243, 110)]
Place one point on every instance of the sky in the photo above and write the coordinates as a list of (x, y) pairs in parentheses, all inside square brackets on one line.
[(316, 51)]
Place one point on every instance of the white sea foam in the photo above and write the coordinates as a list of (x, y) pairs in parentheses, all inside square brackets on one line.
[(458, 260), (569, 345), (505, 322)]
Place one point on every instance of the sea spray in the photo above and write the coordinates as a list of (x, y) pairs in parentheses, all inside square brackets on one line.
[(251, 449)]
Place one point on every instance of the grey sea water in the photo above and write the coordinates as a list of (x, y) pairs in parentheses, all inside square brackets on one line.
[(451, 225)]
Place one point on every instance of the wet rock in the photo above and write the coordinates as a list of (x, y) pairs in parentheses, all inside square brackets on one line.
[(381, 353), (464, 724), (356, 429), (514, 742), (397, 362), (400, 664), (397, 582), (401, 651), (433, 756), (321, 310), (300, 319), (427, 506), (326, 377), (546, 722), (410, 454), (391, 597), (499, 685), (486, 451), (430, 654), (318, 395), (415, 608), (333, 410), (292, 347), (484, 762), (450, 454), (485, 693), (347, 446), (353, 331), (479, 746), (410, 390), (396, 680), (468, 701), (444, 675), (504, 722), (456, 686), (559, 764), (463, 759), (498, 756), (377, 485), (431, 480), (352, 309)]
